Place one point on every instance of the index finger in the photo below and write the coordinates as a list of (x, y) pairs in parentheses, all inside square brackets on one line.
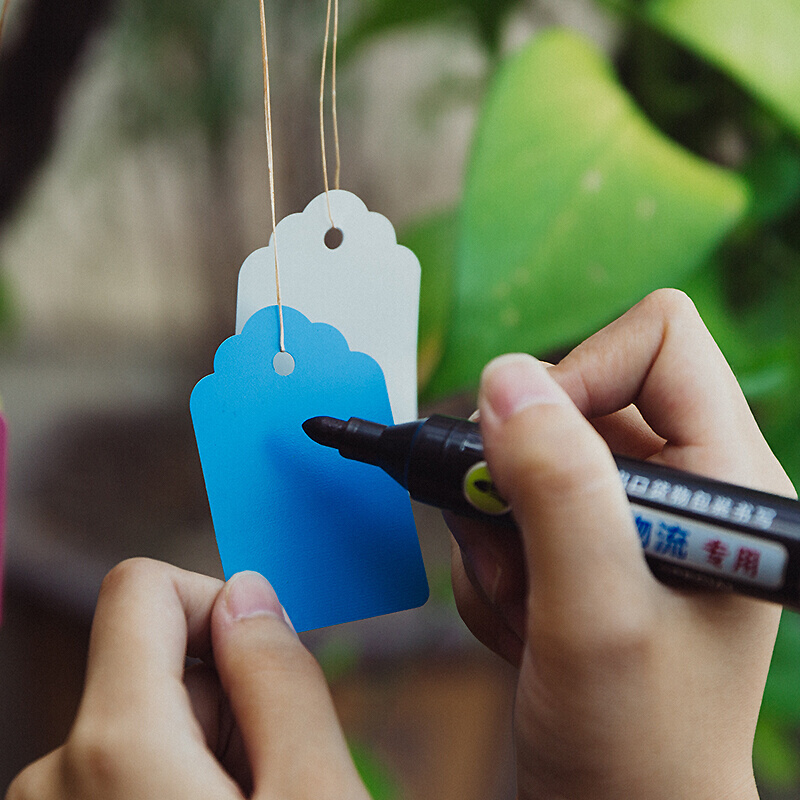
[(149, 617), (660, 357)]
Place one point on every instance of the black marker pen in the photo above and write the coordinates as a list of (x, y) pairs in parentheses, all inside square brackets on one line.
[(694, 530)]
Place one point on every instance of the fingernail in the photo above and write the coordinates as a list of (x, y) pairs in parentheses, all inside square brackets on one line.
[(249, 594), (517, 381)]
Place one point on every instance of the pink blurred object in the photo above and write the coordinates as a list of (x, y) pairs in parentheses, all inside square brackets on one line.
[(3, 443)]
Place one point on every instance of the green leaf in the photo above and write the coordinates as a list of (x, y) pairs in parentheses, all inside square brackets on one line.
[(774, 178), (783, 436), (775, 754), (760, 366), (705, 288), (775, 758), (8, 307), (433, 241), (759, 269), (781, 703), (754, 42), (338, 657), (377, 777), (380, 16), (575, 206)]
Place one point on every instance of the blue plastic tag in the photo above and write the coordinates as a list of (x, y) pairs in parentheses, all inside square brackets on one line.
[(336, 538)]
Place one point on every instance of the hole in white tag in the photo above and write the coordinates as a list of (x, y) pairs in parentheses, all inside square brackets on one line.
[(283, 363), (333, 238)]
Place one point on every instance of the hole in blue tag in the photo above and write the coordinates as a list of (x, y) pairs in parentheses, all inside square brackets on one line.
[(283, 363), (333, 238)]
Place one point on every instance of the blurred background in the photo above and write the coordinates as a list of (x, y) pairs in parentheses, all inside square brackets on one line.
[(549, 161)]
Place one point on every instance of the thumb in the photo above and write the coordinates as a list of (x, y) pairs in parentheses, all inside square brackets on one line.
[(582, 551), (279, 697)]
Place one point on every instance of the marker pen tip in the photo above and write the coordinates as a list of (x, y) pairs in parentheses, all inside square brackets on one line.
[(325, 430)]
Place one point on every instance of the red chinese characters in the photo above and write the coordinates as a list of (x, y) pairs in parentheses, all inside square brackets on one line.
[(717, 551), (747, 560)]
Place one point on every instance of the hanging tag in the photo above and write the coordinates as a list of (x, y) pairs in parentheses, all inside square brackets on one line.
[(336, 538), (367, 287), (3, 450)]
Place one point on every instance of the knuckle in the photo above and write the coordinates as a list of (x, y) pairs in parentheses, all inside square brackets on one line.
[(264, 639), (22, 787), (286, 655), (90, 760), (671, 303), (618, 643), (572, 465), (39, 780), (279, 658), (627, 637), (131, 571)]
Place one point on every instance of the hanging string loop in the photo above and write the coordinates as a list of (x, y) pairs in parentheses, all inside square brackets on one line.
[(271, 165), (326, 47), (3, 17)]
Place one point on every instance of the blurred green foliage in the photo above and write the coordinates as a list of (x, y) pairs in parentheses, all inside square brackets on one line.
[(574, 207), (379, 16), (777, 745), (187, 66), (433, 240), (754, 43), (8, 309), (378, 778)]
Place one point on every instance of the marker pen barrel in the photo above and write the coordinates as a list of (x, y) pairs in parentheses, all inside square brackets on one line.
[(695, 531)]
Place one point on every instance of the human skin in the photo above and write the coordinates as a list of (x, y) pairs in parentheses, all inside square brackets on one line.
[(259, 724), (627, 689)]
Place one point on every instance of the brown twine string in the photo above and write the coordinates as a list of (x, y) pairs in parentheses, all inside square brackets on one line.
[(3, 17), (271, 164), (337, 173)]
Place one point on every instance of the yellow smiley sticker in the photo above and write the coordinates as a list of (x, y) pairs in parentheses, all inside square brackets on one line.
[(480, 491)]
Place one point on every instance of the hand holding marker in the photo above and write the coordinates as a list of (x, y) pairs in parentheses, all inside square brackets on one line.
[(624, 688), (694, 530)]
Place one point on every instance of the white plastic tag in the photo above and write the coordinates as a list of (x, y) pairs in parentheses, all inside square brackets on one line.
[(367, 287)]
